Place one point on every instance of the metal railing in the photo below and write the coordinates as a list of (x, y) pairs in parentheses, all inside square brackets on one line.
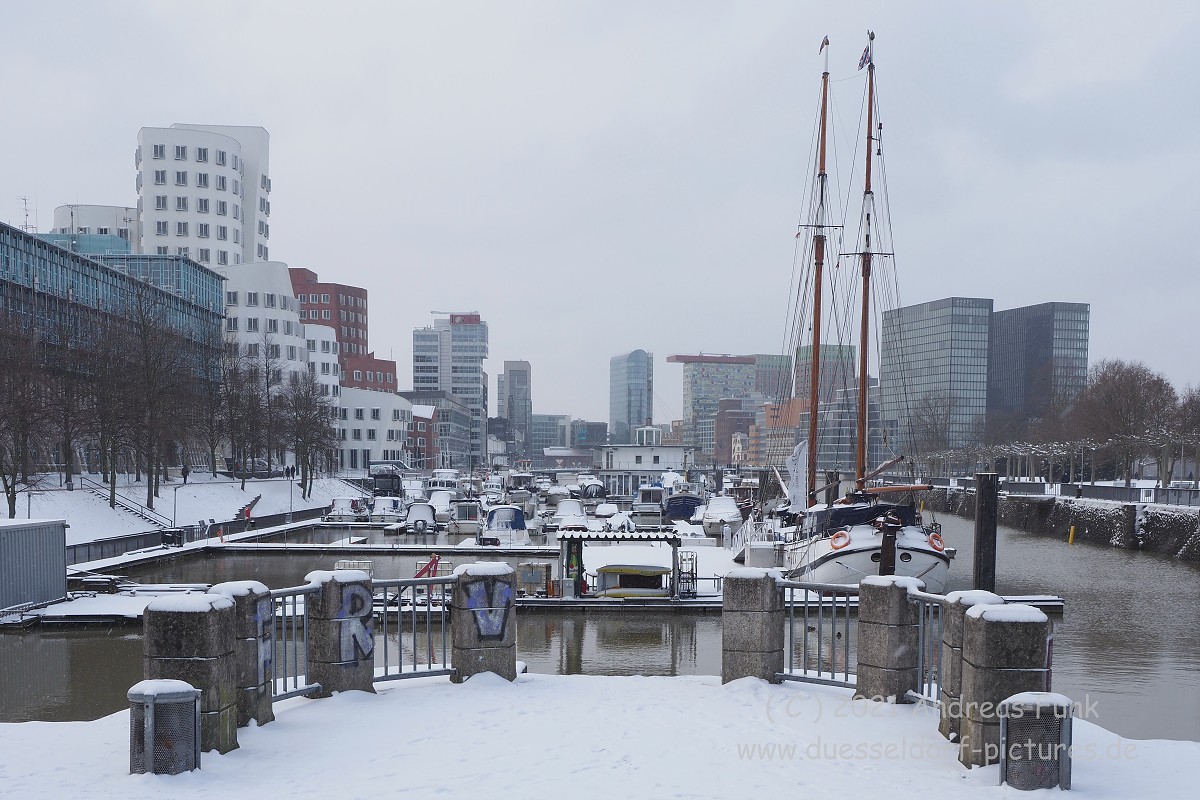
[(827, 632), (930, 619), (148, 514), (289, 643), (418, 619)]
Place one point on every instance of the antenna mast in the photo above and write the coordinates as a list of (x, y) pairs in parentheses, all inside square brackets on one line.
[(860, 454), (26, 226)]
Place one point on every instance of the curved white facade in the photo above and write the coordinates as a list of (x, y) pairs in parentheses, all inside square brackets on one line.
[(122, 221), (262, 316), (202, 192), (323, 357)]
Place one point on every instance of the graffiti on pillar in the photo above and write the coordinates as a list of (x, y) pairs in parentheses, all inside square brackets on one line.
[(264, 621), (358, 640), (490, 600)]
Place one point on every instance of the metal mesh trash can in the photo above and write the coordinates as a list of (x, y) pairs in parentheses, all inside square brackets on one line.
[(1035, 741), (164, 727)]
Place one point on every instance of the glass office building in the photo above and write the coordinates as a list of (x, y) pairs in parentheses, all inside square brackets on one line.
[(1037, 363), (707, 380), (933, 378), (630, 394)]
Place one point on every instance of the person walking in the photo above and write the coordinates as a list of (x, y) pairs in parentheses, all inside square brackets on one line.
[(185, 472)]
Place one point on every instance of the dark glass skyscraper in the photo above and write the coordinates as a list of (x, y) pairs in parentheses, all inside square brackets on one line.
[(630, 394), (1037, 363)]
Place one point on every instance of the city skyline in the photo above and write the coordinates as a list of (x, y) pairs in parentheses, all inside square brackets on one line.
[(680, 170)]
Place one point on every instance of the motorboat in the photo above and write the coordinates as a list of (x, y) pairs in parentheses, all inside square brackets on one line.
[(421, 520), (647, 508), (440, 499), (632, 580), (721, 511), (444, 479), (683, 500), (504, 527), (465, 517), (347, 509), (556, 493), (388, 509), (567, 509)]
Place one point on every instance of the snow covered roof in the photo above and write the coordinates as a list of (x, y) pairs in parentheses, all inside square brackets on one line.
[(619, 536)]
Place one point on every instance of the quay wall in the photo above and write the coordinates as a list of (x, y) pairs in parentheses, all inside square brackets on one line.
[(1164, 530)]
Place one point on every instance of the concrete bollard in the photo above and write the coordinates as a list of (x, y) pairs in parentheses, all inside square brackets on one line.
[(950, 681), (1003, 654), (189, 637), (341, 631), (752, 625), (254, 667), (483, 621), (888, 638)]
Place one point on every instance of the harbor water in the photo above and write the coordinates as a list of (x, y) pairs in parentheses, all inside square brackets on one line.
[(1126, 648)]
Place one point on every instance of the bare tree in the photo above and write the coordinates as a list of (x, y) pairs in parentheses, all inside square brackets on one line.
[(22, 413), (308, 418)]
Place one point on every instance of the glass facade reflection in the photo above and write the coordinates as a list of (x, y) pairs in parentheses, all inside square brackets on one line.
[(630, 394)]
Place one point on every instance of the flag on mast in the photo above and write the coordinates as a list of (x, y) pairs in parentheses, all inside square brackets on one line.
[(824, 44), (797, 467), (865, 58)]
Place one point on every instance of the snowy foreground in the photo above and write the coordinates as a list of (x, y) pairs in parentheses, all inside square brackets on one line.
[(579, 737)]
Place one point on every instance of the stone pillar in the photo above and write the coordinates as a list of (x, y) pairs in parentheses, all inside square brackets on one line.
[(341, 631), (254, 668), (189, 637), (888, 638), (1004, 653), (752, 623), (950, 681), (483, 621)]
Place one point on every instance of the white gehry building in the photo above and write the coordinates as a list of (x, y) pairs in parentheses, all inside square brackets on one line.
[(263, 317), (323, 363), (203, 191), (372, 426), (96, 220)]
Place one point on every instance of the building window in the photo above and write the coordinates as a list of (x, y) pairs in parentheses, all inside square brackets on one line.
[(202, 230), (252, 327), (272, 325), (162, 250), (231, 324), (637, 459), (358, 377), (160, 202), (370, 377), (237, 235), (220, 183), (237, 211), (291, 351), (222, 208), (159, 151), (420, 427), (202, 154), (656, 459), (269, 300), (222, 257), (181, 229), (231, 298), (160, 227), (235, 186), (370, 434), (220, 158), (204, 254), (356, 434), (325, 347), (252, 350), (181, 204), (160, 177), (252, 298), (324, 298), (202, 180), (180, 152), (202, 205), (375, 414), (222, 232), (186, 252), (325, 313)]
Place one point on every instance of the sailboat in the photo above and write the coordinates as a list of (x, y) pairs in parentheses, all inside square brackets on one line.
[(845, 539)]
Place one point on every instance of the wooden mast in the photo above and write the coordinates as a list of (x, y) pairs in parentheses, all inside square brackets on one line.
[(860, 453), (818, 262)]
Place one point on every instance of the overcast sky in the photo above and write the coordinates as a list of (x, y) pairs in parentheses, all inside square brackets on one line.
[(598, 177)]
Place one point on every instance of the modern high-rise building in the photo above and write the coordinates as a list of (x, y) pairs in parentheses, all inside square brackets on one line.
[(203, 192), (448, 356), (547, 430), (344, 308), (630, 394), (773, 376), (586, 434), (451, 440), (1037, 364), (838, 367), (706, 381), (515, 397), (933, 379)]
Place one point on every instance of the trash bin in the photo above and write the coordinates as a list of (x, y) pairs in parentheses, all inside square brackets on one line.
[(1035, 741), (164, 727)]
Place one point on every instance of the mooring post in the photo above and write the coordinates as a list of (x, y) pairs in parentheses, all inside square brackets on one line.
[(483, 621), (986, 493)]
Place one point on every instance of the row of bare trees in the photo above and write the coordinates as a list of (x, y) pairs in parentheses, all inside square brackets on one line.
[(136, 395), (1125, 414)]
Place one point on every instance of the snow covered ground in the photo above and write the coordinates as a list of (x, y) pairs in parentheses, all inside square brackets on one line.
[(203, 497), (580, 737)]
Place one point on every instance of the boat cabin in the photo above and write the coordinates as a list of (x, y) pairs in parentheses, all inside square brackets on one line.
[(632, 580)]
